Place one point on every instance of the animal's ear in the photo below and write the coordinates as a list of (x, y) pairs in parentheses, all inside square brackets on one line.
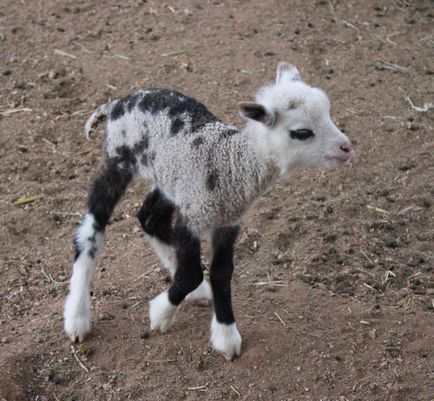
[(286, 72), (257, 112)]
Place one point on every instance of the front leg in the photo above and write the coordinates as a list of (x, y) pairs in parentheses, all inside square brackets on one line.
[(225, 337)]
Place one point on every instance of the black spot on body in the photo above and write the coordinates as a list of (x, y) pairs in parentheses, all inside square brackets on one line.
[(197, 142), (211, 180), (131, 100), (125, 157), (126, 103), (177, 125), (118, 110), (139, 147), (228, 133), (177, 104)]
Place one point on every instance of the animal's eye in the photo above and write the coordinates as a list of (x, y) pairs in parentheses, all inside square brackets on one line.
[(301, 134)]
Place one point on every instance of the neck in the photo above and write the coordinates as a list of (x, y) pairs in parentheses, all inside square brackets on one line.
[(267, 152), (268, 168)]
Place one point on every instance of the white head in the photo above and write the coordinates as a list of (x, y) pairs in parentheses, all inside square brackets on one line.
[(293, 124)]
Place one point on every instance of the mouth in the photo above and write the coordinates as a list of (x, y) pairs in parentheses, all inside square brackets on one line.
[(338, 159)]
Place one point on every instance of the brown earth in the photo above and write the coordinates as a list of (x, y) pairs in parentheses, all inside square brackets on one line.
[(334, 287)]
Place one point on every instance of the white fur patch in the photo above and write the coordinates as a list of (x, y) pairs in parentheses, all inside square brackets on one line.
[(77, 305), (162, 312), (201, 293), (225, 339), (165, 253)]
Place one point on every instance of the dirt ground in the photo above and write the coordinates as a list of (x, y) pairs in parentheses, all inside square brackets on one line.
[(334, 286)]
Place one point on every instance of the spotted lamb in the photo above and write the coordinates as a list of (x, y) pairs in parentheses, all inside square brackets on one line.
[(204, 176)]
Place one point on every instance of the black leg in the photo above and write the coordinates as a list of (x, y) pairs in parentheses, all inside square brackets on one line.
[(189, 273), (222, 267), (155, 216), (105, 193), (109, 187), (187, 278)]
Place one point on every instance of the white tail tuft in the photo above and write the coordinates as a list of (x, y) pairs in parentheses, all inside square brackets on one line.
[(98, 115)]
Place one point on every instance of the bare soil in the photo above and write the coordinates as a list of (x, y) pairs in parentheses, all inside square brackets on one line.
[(334, 286)]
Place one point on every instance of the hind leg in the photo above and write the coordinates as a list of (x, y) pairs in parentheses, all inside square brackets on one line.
[(105, 193), (155, 217)]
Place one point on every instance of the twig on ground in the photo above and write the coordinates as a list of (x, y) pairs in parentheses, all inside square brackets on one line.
[(368, 259), (65, 54), (145, 273), (370, 287), (426, 106), (350, 25), (27, 199), (160, 360), (74, 352), (174, 53), (235, 391), (136, 304), (199, 388), (384, 65), (281, 320), (50, 278), (377, 209), (275, 283), (12, 111)]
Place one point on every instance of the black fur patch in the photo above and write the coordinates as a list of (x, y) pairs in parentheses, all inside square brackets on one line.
[(176, 104), (126, 103), (211, 180), (125, 158), (155, 216), (222, 267), (197, 142), (228, 133), (189, 274), (77, 249), (139, 147), (108, 188), (131, 101), (118, 110), (177, 125)]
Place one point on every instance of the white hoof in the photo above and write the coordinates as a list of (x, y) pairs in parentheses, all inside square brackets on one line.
[(225, 339), (77, 321), (162, 312), (202, 294)]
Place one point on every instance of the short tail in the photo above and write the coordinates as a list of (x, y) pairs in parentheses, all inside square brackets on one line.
[(98, 115)]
